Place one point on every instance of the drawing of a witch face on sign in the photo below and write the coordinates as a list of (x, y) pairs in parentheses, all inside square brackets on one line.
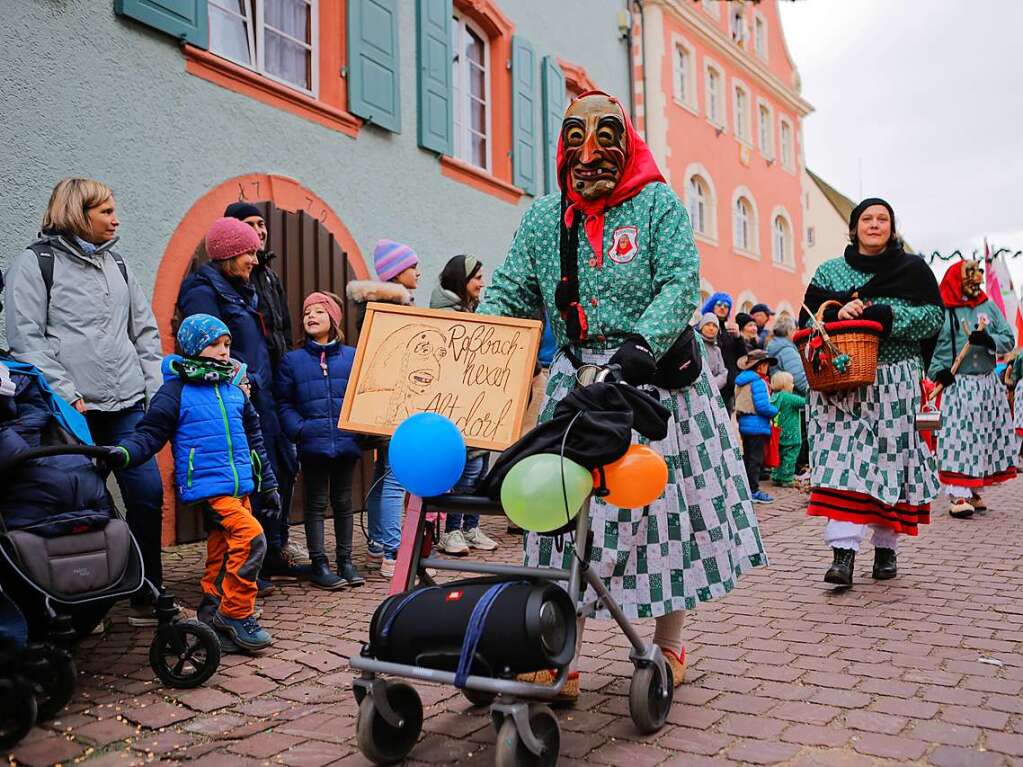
[(406, 367)]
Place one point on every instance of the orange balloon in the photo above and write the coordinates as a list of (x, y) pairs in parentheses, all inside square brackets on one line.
[(636, 479)]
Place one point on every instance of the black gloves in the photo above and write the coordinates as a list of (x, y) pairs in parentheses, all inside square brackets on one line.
[(636, 361), (270, 505), (945, 378), (113, 457), (982, 338), (831, 314), (879, 313)]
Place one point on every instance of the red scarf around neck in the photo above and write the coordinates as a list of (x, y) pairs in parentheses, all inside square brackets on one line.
[(640, 170)]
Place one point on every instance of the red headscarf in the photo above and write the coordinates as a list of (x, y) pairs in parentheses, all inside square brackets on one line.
[(952, 289), (640, 169)]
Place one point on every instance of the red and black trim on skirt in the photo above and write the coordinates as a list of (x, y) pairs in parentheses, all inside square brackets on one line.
[(961, 480), (862, 509)]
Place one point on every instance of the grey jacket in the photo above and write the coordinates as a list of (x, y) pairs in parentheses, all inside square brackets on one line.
[(715, 363), (84, 344)]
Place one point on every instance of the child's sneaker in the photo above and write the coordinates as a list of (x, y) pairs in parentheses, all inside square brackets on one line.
[(453, 543), (477, 539), (244, 632), (374, 550), (387, 565), (761, 497)]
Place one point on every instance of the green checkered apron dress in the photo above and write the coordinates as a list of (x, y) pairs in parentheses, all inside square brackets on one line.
[(976, 438), (865, 440), (1017, 415), (691, 544)]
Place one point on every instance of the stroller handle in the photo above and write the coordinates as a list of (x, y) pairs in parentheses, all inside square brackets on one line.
[(92, 451)]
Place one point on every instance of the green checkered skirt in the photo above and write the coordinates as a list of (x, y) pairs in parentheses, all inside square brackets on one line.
[(976, 444), (865, 440), (1017, 413), (691, 544)]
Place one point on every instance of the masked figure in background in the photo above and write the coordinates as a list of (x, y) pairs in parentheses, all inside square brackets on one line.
[(976, 445), (612, 262)]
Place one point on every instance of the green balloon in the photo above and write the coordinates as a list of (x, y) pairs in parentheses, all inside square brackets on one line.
[(532, 494)]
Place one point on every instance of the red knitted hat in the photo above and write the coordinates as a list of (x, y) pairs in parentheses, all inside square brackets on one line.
[(229, 238)]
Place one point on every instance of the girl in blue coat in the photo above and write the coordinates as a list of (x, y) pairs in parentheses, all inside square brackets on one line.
[(755, 413), (310, 387)]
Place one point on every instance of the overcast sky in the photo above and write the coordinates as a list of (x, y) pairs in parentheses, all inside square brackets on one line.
[(920, 103)]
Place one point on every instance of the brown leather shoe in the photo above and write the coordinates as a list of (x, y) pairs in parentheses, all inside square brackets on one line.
[(569, 693), (678, 664)]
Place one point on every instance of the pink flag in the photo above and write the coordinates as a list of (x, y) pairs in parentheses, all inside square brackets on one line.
[(999, 289)]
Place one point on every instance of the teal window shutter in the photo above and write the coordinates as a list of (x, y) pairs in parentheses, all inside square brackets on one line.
[(373, 92), (435, 57), (187, 20), (524, 138), (553, 112)]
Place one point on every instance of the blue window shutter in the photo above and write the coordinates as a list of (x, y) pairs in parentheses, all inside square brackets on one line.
[(187, 20), (373, 92), (434, 59), (553, 113), (524, 135)]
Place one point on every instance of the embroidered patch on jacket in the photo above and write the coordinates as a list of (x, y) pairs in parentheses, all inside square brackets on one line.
[(624, 244)]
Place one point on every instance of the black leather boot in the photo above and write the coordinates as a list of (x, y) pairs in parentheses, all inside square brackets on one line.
[(322, 577), (841, 571), (347, 572), (885, 567)]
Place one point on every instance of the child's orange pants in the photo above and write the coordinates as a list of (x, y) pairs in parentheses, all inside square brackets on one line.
[(235, 548)]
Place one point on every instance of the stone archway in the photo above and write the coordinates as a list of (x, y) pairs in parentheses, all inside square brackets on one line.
[(283, 193)]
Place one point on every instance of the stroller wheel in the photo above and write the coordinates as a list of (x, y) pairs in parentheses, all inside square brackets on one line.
[(382, 742), (184, 654), (53, 672), (17, 711), (478, 697), (512, 752), (649, 698)]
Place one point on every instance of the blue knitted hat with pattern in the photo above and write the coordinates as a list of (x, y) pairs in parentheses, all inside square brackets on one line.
[(198, 331)]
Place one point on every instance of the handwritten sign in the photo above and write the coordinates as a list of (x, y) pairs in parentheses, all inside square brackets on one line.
[(475, 370)]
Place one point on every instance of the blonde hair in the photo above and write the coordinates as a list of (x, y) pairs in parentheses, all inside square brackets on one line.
[(782, 381), (69, 205)]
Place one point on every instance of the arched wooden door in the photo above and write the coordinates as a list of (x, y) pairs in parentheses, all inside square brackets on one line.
[(307, 258)]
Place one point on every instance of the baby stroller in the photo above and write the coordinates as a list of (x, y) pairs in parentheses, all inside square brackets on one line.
[(479, 634), (65, 580)]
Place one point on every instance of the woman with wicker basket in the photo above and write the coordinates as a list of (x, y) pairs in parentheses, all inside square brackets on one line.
[(870, 466), (976, 445)]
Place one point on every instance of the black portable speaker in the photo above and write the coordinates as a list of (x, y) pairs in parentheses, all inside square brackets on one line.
[(530, 626)]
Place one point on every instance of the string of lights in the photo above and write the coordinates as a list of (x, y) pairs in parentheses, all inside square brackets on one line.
[(976, 255)]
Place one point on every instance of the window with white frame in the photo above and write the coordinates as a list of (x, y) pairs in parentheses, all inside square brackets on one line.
[(685, 75), (712, 7), (276, 38), (760, 35), (781, 249), (714, 93), (786, 143), (471, 87), (743, 225), (698, 199), (765, 130), (737, 22), (742, 114)]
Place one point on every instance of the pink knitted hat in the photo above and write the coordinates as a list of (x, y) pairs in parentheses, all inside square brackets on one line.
[(328, 303), (229, 238)]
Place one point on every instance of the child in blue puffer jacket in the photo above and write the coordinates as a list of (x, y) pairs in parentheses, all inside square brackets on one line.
[(755, 413), (219, 461), (310, 387)]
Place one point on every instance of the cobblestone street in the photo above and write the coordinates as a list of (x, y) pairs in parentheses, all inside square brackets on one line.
[(925, 669)]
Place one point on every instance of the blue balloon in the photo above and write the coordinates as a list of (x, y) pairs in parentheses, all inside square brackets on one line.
[(427, 454)]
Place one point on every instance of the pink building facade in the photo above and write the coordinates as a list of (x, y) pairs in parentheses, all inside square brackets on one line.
[(717, 97)]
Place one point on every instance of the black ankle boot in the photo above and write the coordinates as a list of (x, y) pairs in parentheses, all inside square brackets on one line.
[(322, 577), (841, 571), (885, 567), (347, 572)]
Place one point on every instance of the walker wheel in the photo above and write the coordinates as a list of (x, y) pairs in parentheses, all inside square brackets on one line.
[(379, 740), (184, 654), (17, 711), (512, 752), (478, 697), (650, 699), (53, 672)]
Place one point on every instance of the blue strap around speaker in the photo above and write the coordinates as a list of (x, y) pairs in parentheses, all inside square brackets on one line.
[(474, 631), (386, 629)]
